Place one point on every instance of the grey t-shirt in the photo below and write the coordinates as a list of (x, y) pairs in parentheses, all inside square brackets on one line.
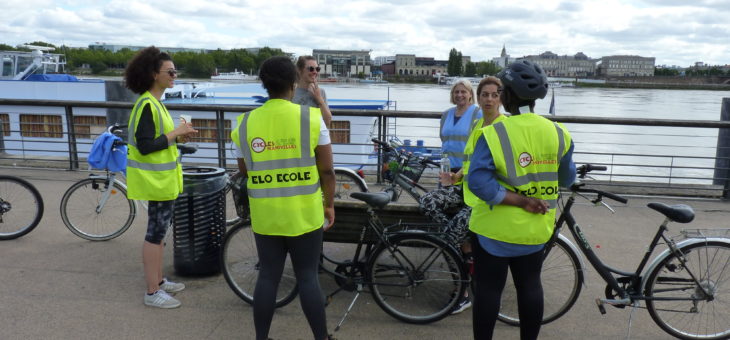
[(302, 97)]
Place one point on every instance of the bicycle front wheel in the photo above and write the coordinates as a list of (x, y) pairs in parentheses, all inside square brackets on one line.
[(21, 207), (416, 278), (688, 296), (347, 183), (562, 280), (97, 210), (240, 263)]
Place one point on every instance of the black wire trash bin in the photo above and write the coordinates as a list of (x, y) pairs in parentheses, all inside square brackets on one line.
[(199, 221)]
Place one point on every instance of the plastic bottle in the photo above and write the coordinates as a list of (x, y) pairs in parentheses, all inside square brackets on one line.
[(445, 164)]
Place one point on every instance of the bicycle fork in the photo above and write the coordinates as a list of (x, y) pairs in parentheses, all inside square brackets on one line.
[(108, 187)]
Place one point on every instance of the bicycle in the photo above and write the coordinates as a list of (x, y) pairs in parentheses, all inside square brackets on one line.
[(680, 286), (402, 170), (21, 207), (113, 213), (412, 273)]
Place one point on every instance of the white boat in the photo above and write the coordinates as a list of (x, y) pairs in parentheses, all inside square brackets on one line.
[(451, 80), (235, 75), (31, 131)]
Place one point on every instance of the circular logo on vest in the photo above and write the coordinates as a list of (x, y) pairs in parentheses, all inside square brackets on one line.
[(525, 159), (258, 145)]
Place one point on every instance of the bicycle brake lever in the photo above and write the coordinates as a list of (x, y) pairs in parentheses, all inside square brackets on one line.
[(599, 200)]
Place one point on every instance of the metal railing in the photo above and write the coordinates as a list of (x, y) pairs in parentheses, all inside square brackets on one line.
[(650, 167)]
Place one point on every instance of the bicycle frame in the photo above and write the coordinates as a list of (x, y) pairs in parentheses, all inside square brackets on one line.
[(635, 281)]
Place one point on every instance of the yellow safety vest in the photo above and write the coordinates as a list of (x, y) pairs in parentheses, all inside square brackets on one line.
[(278, 141), (469, 198), (156, 176), (527, 150)]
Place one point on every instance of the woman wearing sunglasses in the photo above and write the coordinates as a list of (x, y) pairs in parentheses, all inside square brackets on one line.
[(153, 172), (308, 91)]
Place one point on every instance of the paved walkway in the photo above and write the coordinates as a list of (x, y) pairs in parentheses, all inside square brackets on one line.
[(54, 285)]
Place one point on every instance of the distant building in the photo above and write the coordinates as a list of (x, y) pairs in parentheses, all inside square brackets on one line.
[(377, 61), (504, 59), (554, 65), (409, 64), (626, 66), (343, 63)]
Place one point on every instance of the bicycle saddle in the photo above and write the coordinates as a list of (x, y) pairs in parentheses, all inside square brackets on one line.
[(681, 213), (187, 148), (373, 199)]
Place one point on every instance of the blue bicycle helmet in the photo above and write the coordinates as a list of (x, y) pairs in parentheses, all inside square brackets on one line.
[(526, 79)]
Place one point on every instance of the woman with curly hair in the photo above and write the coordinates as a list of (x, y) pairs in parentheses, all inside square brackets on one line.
[(153, 171)]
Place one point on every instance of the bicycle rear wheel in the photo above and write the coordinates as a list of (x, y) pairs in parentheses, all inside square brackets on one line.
[(562, 280), (21, 207), (416, 278), (240, 263), (83, 213), (347, 183), (679, 305)]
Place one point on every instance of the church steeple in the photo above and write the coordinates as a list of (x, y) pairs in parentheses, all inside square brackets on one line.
[(504, 52)]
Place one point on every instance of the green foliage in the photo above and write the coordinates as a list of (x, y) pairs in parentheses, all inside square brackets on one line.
[(361, 75), (470, 70), (665, 72), (191, 64), (485, 68), (455, 67)]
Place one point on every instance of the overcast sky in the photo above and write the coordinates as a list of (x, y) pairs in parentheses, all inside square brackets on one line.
[(675, 32)]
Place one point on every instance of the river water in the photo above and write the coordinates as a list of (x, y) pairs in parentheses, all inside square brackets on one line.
[(653, 153)]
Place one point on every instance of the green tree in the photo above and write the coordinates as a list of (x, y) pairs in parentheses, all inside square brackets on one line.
[(200, 65), (665, 72), (470, 70), (455, 66), (485, 68)]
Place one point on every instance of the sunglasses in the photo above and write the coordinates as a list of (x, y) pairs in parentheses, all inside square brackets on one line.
[(172, 72), (312, 68)]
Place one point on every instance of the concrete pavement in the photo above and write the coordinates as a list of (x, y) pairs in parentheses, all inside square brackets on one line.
[(54, 285)]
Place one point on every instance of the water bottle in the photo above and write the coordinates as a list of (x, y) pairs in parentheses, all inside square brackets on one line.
[(445, 165)]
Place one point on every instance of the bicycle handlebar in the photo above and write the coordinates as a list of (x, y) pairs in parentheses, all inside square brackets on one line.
[(582, 171)]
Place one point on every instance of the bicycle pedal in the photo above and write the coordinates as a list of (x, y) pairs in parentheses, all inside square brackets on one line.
[(601, 308)]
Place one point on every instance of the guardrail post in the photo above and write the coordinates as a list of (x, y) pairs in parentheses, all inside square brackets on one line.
[(381, 136), (221, 127), (2, 135), (73, 153), (722, 159)]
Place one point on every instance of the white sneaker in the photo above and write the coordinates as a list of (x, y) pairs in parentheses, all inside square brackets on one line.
[(171, 287), (161, 299)]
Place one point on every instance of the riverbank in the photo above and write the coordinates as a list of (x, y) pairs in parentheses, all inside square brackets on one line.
[(655, 86)]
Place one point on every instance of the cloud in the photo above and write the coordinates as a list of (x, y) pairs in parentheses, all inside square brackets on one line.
[(675, 32)]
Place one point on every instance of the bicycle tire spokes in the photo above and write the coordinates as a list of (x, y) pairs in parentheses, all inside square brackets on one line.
[(21, 207), (683, 292), (416, 280)]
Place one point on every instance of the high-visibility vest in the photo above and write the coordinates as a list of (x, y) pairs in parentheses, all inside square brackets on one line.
[(156, 176), (277, 141), (454, 136), (527, 150), (469, 198)]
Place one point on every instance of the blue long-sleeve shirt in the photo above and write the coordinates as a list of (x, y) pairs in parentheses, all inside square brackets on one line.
[(483, 183)]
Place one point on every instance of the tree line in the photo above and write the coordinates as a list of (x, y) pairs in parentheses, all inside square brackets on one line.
[(190, 64), (456, 67)]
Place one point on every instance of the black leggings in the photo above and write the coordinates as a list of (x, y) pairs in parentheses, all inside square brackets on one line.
[(304, 251), (490, 274)]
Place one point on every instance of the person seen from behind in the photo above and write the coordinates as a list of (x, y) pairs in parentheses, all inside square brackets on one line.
[(516, 169), (308, 91), (285, 154), (153, 171)]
